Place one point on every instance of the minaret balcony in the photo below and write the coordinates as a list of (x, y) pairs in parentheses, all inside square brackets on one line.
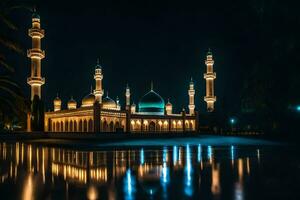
[(191, 92), (98, 92), (209, 62), (210, 98), (98, 76), (35, 53), (210, 75), (35, 32), (36, 81)]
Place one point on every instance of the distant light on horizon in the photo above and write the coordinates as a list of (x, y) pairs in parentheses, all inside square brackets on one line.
[(298, 108), (232, 120)]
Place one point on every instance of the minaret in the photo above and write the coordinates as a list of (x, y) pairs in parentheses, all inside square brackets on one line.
[(209, 76), (36, 55), (127, 94), (191, 98), (98, 92)]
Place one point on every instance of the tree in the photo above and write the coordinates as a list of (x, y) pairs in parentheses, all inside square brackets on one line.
[(12, 102)]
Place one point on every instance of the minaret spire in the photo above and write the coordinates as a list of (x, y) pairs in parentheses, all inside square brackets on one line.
[(127, 95), (98, 76), (191, 93), (209, 76), (36, 54)]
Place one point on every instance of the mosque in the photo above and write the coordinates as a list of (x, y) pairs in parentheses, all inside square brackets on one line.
[(99, 113)]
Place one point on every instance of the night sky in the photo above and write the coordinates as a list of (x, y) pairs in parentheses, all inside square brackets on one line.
[(143, 41)]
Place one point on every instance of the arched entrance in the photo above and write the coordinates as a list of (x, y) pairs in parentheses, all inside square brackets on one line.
[(111, 127), (152, 127), (91, 125), (105, 126)]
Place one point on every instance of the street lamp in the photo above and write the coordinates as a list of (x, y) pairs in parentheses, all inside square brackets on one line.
[(232, 122)]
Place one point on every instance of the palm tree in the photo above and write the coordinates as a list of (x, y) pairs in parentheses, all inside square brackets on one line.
[(12, 102)]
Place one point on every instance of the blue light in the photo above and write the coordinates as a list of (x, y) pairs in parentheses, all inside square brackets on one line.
[(142, 157), (232, 152), (298, 108), (199, 153), (188, 187), (209, 152), (175, 155), (165, 154), (129, 185)]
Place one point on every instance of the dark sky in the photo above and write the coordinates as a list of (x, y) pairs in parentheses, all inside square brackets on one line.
[(143, 41)]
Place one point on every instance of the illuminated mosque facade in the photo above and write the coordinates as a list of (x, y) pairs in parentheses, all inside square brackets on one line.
[(99, 113)]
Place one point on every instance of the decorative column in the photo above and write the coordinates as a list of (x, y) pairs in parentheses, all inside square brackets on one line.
[(209, 76), (36, 55)]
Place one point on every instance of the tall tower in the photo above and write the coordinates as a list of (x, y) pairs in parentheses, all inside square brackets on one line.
[(191, 98), (209, 76), (36, 55), (98, 92), (127, 94)]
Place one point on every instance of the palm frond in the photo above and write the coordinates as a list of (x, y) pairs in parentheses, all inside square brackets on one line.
[(6, 66), (10, 91), (5, 20), (10, 44), (6, 79)]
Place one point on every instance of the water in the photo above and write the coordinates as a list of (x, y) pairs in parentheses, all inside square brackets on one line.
[(176, 171)]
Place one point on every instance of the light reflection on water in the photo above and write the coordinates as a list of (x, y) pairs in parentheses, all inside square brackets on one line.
[(174, 172)]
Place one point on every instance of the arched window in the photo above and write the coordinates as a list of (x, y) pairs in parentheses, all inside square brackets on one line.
[(145, 125), (179, 126), (80, 126), (132, 125), (117, 125), (152, 126), (192, 128), (57, 127), (91, 127), (61, 126), (85, 126), (67, 126), (75, 126), (174, 127), (165, 126), (105, 126), (111, 127), (187, 127), (71, 126)]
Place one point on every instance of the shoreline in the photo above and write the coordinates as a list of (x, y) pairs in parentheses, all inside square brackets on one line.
[(134, 139)]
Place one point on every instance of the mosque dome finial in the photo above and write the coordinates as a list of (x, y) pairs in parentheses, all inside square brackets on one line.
[(209, 53), (34, 13), (98, 66)]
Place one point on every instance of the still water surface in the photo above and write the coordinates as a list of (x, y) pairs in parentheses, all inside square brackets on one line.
[(31, 171)]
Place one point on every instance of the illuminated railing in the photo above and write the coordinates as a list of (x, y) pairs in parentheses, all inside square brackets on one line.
[(35, 81), (33, 32), (36, 53)]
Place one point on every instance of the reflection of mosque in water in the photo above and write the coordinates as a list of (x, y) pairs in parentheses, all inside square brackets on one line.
[(151, 170)]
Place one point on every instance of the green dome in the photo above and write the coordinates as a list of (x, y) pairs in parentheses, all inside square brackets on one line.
[(152, 104)]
